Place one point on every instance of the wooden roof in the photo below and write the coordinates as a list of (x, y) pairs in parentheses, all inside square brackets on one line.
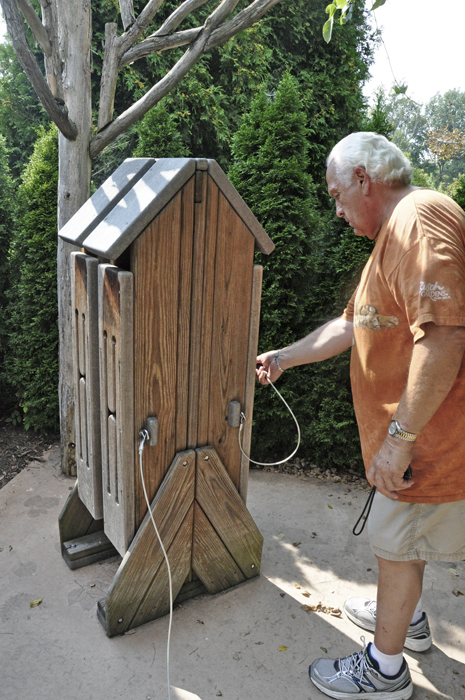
[(131, 198)]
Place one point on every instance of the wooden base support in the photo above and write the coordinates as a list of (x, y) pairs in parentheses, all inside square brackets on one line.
[(208, 534), (81, 537), (87, 550)]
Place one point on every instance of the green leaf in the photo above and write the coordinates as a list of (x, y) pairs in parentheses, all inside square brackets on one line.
[(328, 30), (377, 4), (400, 89)]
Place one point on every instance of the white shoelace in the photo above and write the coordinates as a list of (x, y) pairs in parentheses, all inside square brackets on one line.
[(355, 664)]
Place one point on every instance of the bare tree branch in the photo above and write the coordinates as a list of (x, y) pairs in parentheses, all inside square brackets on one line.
[(25, 56), (205, 38), (127, 12), (37, 28), (154, 95), (129, 38), (109, 75), (176, 17), (159, 43), (53, 62), (243, 20)]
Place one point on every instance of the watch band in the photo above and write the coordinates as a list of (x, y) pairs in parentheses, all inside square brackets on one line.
[(400, 432)]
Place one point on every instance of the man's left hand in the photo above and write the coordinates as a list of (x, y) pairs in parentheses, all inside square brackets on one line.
[(389, 466)]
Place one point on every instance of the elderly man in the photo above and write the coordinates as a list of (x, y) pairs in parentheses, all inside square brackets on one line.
[(406, 325)]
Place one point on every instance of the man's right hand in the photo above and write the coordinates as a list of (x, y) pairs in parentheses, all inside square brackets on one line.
[(267, 365)]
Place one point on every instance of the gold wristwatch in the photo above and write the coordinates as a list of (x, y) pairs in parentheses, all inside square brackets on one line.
[(396, 431)]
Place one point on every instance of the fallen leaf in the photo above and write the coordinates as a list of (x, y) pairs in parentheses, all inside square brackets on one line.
[(306, 594), (296, 544), (296, 585), (454, 572), (282, 595), (236, 656), (282, 648), (219, 694), (307, 608), (457, 592), (330, 506), (280, 537), (323, 649), (35, 603)]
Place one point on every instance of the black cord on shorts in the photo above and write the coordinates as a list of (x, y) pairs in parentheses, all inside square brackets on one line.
[(369, 503), (364, 517)]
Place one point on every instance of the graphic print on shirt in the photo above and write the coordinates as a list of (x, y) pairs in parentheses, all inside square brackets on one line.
[(433, 291), (368, 316)]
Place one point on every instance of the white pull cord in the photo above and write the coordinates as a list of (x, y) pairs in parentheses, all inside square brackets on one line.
[(243, 419), (144, 435)]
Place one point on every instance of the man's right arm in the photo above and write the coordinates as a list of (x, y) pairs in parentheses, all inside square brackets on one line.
[(324, 342)]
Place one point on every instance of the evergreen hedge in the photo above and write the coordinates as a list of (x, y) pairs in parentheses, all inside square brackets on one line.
[(32, 359), (6, 230), (308, 280)]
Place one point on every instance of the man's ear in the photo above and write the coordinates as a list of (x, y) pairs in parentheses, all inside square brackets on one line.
[(363, 179)]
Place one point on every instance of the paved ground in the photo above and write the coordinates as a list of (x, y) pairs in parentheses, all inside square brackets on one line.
[(222, 646)]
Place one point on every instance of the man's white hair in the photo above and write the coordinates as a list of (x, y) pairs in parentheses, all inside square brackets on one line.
[(382, 160)]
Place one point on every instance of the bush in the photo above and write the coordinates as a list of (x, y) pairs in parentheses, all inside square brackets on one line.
[(32, 326), (307, 281), (6, 229)]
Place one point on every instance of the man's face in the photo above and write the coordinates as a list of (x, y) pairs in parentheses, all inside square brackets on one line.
[(353, 202)]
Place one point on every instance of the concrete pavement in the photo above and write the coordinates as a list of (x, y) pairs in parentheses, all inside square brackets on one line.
[(227, 645)]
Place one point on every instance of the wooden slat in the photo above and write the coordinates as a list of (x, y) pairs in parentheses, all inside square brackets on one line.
[(262, 240), (141, 563), (88, 545), (157, 599), (211, 561), (250, 377), (184, 315), (155, 261), (84, 270), (117, 340), (196, 339), (230, 335), (208, 290), (221, 503)]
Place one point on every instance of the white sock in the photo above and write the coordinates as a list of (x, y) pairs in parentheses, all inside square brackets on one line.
[(389, 664), (418, 613)]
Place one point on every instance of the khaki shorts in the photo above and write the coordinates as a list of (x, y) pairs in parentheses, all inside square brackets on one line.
[(405, 531)]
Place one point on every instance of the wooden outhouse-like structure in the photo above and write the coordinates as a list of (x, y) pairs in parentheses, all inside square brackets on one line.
[(166, 304)]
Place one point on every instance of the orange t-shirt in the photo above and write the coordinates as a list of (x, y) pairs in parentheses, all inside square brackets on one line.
[(415, 274)]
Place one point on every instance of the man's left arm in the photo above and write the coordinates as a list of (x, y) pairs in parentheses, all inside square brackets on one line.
[(436, 360)]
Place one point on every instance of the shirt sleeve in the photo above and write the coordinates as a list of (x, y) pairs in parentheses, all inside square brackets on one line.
[(348, 313), (429, 284)]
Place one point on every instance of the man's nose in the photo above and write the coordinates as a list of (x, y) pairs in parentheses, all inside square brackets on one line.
[(339, 211)]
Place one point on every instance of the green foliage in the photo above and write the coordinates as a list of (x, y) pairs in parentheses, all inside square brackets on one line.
[(32, 361), (21, 113), (159, 135), (457, 191), (6, 226), (378, 119), (421, 178), (307, 279)]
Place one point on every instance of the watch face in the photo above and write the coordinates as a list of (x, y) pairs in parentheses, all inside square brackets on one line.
[(392, 428)]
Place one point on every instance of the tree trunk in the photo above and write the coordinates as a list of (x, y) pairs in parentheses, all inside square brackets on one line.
[(75, 34)]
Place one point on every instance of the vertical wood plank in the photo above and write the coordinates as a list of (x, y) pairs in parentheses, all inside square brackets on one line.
[(155, 261), (250, 377), (116, 310), (86, 380), (208, 290), (196, 340), (184, 315), (230, 335)]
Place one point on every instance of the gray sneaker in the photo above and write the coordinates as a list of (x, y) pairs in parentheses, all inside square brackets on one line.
[(359, 675), (362, 612)]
